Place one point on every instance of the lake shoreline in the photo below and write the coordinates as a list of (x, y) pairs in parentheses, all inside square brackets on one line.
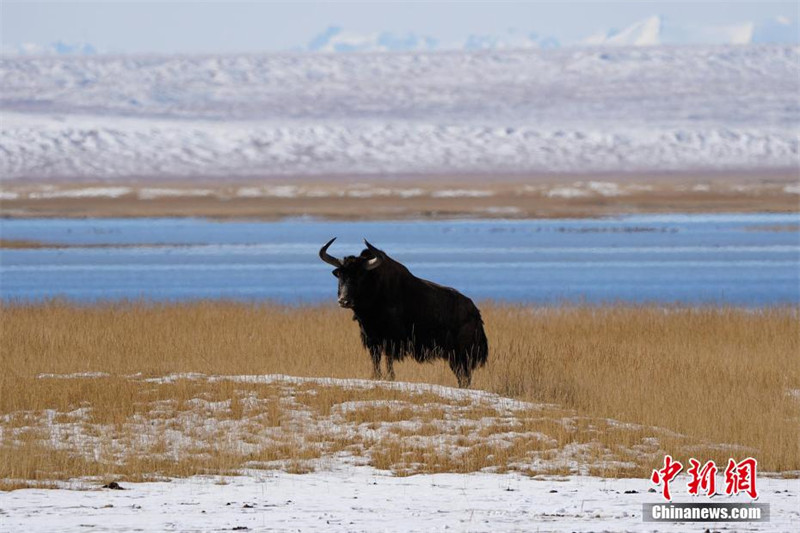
[(401, 197)]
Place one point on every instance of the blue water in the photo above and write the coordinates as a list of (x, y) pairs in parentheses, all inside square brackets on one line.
[(694, 259)]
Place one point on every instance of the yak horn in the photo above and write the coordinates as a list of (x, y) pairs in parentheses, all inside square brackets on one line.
[(371, 248), (376, 261), (323, 254)]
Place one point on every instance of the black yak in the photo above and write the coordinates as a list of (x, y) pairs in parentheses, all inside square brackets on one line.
[(400, 314)]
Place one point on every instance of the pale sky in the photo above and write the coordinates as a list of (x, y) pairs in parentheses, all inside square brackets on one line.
[(199, 26)]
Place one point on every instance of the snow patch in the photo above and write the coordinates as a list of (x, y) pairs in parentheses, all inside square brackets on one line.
[(154, 193), (409, 193), (249, 192), (90, 192), (75, 375), (501, 210), (461, 193), (605, 188), (567, 192), (282, 191), (369, 193)]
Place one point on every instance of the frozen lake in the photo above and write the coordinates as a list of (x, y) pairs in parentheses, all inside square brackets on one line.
[(692, 259)]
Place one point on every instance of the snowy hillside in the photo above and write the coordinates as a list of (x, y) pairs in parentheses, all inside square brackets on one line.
[(366, 456), (586, 109)]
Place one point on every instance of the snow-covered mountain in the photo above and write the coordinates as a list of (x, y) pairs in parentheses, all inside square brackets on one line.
[(54, 48), (657, 30), (651, 31), (337, 39), (645, 32), (510, 39), (570, 109)]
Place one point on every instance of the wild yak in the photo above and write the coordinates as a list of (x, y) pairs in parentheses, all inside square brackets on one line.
[(400, 314)]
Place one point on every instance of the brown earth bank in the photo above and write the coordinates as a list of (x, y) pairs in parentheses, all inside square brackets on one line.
[(407, 197)]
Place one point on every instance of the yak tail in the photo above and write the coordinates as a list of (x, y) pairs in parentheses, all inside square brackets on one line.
[(479, 351)]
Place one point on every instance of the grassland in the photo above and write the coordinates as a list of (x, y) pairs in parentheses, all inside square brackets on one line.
[(604, 390)]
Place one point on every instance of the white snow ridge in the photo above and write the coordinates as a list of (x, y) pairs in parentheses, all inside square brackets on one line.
[(646, 32), (578, 110)]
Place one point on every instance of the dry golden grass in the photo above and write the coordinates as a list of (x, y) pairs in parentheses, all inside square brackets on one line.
[(22, 244), (714, 377), (139, 429)]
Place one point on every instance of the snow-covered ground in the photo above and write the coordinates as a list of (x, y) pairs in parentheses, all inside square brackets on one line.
[(341, 492), (589, 109), (362, 499)]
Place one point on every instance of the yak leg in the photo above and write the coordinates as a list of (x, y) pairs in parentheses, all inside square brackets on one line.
[(462, 372), (375, 354), (464, 379), (390, 366)]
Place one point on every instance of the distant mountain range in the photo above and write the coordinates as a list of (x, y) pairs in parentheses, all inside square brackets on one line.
[(651, 31), (56, 48), (336, 39), (656, 30)]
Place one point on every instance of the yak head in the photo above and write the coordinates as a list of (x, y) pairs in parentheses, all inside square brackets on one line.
[(355, 273)]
